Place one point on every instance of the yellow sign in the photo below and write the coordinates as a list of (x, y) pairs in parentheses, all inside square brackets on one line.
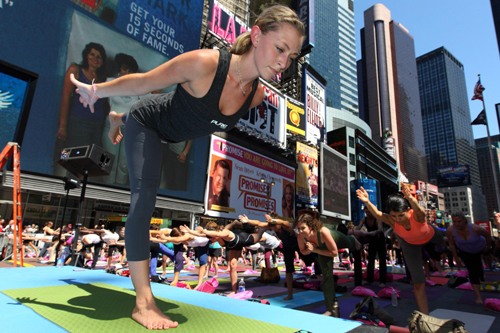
[(156, 221)]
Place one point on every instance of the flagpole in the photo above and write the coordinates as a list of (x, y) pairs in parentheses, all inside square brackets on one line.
[(493, 168)]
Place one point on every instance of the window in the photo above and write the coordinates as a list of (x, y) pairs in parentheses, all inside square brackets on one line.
[(353, 174), (352, 159), (351, 142)]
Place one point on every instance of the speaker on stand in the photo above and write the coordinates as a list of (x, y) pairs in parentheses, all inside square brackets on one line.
[(85, 161)]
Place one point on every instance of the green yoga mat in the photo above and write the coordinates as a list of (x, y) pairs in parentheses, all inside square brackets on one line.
[(193, 283), (100, 307)]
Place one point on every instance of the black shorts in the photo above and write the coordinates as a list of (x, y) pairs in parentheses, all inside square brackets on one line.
[(214, 252)]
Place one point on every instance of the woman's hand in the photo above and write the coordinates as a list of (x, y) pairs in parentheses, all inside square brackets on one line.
[(62, 133), (406, 191), (363, 195), (310, 246), (184, 228), (181, 158), (243, 218), (86, 92)]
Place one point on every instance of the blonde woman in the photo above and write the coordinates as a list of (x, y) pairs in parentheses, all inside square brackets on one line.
[(214, 90)]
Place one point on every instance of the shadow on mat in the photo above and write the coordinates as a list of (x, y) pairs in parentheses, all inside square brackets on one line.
[(104, 304)]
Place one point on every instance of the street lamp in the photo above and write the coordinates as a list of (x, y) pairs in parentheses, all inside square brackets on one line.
[(269, 181)]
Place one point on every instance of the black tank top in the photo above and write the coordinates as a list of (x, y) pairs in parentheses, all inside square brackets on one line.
[(178, 116)]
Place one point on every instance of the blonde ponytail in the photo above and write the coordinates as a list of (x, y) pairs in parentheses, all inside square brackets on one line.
[(269, 20)]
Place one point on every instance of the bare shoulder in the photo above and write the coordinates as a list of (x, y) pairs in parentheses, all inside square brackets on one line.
[(200, 61), (73, 69)]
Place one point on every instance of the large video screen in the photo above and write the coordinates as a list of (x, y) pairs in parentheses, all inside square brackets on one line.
[(335, 189), (101, 42)]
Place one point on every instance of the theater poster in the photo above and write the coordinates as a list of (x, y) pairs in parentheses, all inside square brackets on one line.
[(266, 121), (307, 175), (234, 184)]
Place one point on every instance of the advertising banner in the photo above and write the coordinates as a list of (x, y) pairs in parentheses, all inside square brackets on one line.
[(79, 36), (266, 121), (307, 175), (456, 175), (170, 27), (305, 10), (314, 97), (335, 187), (296, 117), (234, 184), (485, 224), (223, 23), (357, 206)]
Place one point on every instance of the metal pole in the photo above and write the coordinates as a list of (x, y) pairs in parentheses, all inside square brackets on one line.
[(268, 196), (79, 218)]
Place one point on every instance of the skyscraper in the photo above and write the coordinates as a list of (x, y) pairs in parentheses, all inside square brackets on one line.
[(446, 121), (334, 53), (487, 179), (391, 101), (445, 113)]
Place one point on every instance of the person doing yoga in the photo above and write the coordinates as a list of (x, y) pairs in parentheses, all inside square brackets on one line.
[(233, 241), (467, 243), (215, 88), (407, 218), (313, 237)]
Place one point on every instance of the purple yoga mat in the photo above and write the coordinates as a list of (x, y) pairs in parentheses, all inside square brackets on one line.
[(433, 293), (346, 306)]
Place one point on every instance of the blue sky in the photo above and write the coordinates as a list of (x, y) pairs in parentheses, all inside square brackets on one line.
[(465, 28)]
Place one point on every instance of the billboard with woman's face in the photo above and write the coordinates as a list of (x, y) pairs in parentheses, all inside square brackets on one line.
[(97, 44)]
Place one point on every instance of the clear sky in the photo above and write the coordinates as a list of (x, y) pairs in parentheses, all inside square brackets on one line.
[(465, 28)]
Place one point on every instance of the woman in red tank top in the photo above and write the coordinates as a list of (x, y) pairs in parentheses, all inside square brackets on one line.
[(407, 218)]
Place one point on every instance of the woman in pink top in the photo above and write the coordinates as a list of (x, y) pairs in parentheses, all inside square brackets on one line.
[(407, 219)]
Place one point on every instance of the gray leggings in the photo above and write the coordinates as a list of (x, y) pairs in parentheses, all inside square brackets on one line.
[(413, 256), (143, 151)]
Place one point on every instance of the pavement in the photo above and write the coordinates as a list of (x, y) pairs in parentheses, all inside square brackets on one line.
[(445, 301)]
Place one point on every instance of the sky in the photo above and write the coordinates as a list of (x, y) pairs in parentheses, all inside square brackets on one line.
[(465, 29)]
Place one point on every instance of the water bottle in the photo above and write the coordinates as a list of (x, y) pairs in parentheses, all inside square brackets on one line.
[(61, 259), (241, 286), (394, 297)]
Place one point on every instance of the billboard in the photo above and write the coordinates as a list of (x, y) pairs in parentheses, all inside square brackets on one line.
[(70, 37), (234, 184), (295, 117), (456, 175), (335, 187), (223, 23), (371, 186), (305, 10), (337, 139), (171, 28), (266, 121), (307, 179), (314, 97)]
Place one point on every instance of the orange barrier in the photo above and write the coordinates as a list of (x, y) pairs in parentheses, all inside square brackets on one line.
[(12, 148)]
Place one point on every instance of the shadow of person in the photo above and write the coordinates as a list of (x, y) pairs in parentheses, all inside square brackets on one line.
[(100, 303)]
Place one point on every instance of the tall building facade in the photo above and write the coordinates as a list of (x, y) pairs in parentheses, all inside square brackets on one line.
[(445, 112), (485, 170), (334, 54), (447, 130), (495, 11), (389, 85)]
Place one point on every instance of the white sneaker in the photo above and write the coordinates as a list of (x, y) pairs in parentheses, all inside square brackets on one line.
[(382, 285)]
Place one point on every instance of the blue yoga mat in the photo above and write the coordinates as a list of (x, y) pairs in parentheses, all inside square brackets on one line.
[(299, 299)]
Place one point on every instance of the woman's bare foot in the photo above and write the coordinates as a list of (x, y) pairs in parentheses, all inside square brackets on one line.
[(328, 313), (288, 298), (479, 301), (115, 121), (152, 318), (231, 293)]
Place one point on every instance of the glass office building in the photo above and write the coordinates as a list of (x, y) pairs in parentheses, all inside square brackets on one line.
[(445, 113), (334, 53)]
